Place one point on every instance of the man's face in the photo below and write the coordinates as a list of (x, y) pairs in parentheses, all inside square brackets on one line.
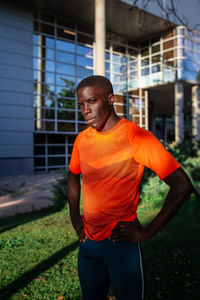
[(95, 106)]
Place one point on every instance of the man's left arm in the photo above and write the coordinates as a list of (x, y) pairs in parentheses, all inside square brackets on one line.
[(180, 190)]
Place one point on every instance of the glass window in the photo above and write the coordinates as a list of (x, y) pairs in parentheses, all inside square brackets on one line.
[(180, 52), (49, 78), (44, 89), (65, 91), (82, 38), (133, 74), (117, 68), (65, 57), (133, 52), (180, 31), (168, 55), (119, 48), (48, 114), (145, 52), (50, 54), (117, 88), (155, 69), (65, 103), (65, 80), (155, 59), (65, 46), (44, 28), (116, 58), (145, 72), (35, 50), (84, 61), (50, 66), (62, 127), (65, 69), (39, 150), (107, 55), (54, 150), (66, 115), (145, 62), (84, 72), (116, 78), (108, 75), (107, 66), (168, 44), (155, 48), (50, 42), (84, 50), (56, 161), (35, 38), (180, 41), (66, 34)]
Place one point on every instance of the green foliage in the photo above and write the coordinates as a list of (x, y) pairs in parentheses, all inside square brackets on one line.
[(60, 191), (184, 150), (188, 155)]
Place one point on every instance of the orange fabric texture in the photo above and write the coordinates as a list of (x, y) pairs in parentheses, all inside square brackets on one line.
[(112, 165)]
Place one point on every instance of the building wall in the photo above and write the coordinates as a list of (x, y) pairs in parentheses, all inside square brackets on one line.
[(16, 90)]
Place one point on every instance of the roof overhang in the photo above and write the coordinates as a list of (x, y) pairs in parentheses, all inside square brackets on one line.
[(122, 20)]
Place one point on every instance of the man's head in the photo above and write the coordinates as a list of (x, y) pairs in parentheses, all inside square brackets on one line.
[(95, 99), (98, 81)]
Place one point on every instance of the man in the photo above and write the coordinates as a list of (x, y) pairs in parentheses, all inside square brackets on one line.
[(111, 155)]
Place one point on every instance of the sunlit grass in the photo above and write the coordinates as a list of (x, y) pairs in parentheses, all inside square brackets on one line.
[(38, 255)]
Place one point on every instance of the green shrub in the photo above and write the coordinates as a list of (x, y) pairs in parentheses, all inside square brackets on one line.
[(188, 155), (60, 191)]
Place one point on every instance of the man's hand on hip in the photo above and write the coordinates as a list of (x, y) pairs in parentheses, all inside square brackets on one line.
[(131, 231)]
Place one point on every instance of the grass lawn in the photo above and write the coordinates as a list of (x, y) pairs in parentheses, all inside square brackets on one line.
[(38, 256)]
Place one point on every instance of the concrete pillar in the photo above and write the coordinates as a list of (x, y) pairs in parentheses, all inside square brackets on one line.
[(196, 112), (100, 37), (39, 85), (179, 115)]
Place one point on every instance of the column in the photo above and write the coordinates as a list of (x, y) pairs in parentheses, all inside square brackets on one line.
[(100, 39), (179, 115), (196, 112)]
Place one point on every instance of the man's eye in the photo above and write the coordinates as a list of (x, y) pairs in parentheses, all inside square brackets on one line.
[(92, 101)]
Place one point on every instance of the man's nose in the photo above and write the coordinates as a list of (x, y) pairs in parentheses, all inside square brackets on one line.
[(86, 109)]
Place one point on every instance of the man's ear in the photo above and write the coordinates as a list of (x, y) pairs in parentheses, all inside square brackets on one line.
[(111, 99)]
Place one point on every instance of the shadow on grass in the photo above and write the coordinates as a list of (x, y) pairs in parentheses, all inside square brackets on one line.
[(15, 221), (26, 278)]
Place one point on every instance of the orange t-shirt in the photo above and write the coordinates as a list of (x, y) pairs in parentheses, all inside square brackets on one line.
[(112, 164)]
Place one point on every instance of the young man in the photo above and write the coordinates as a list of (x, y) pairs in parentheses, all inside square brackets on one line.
[(111, 155)]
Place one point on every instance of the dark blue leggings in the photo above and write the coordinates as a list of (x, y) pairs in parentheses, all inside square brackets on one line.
[(105, 262)]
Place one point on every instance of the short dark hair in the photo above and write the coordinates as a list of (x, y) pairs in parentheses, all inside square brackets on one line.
[(97, 80)]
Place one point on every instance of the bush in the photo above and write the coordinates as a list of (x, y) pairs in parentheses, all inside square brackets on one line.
[(188, 155), (60, 191)]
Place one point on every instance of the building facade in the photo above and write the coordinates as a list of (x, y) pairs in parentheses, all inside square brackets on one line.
[(46, 51)]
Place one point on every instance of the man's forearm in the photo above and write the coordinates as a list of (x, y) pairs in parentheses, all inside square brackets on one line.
[(177, 194), (74, 188)]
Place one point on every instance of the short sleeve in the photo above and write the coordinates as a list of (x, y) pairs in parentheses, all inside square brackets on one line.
[(148, 151), (74, 165)]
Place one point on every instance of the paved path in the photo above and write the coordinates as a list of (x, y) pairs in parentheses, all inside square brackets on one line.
[(26, 193)]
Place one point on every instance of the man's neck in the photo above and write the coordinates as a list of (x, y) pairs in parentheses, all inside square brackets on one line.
[(109, 123)]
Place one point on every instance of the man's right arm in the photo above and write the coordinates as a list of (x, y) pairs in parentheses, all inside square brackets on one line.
[(74, 189)]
